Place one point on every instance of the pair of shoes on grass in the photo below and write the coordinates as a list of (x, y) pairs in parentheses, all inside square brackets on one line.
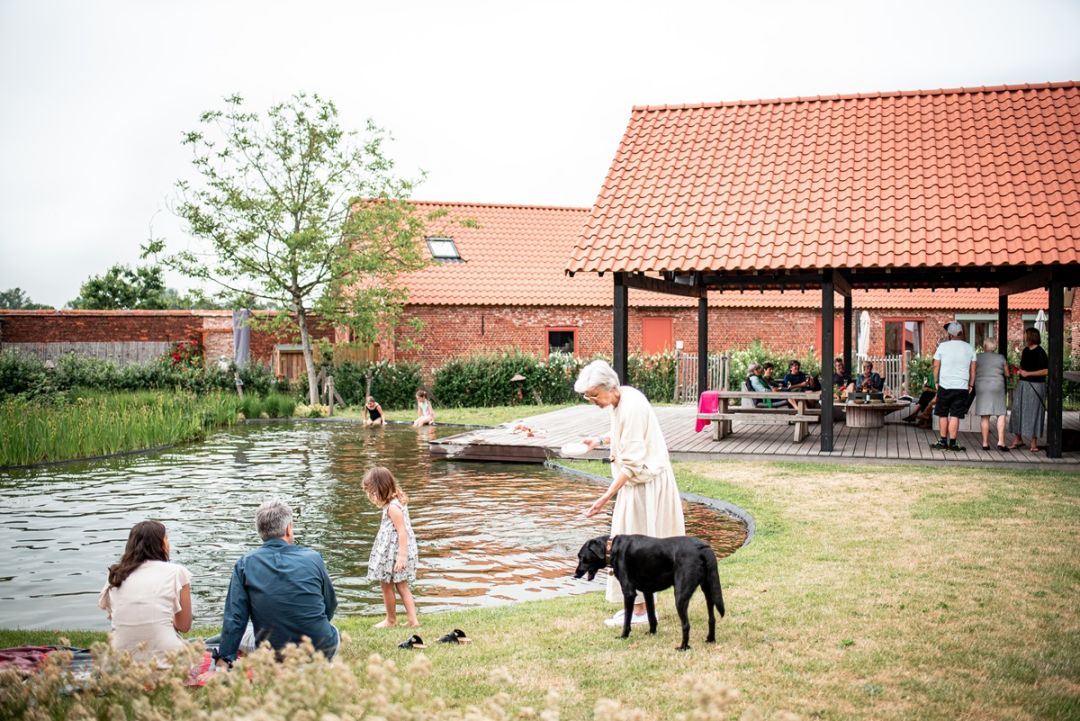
[(456, 636)]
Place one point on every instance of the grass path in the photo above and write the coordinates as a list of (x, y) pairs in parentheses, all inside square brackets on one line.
[(867, 593)]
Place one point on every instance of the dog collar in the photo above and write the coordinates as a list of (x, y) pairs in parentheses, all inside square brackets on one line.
[(607, 551)]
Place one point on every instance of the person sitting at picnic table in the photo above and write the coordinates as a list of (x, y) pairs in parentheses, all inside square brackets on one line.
[(795, 379), (757, 382), (841, 379), (767, 375), (868, 380)]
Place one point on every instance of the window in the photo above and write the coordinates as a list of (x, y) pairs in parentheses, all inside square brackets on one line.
[(903, 336), (443, 249), (561, 340), (978, 327)]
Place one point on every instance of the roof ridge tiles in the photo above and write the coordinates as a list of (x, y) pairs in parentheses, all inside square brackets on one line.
[(984, 89), (522, 206)]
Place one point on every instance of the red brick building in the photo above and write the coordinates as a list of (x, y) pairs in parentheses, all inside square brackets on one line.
[(501, 286)]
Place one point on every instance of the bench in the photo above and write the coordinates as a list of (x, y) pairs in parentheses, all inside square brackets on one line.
[(727, 411)]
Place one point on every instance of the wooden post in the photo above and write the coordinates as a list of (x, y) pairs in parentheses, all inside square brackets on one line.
[(330, 393), (1054, 378), (1003, 325), (827, 354), (849, 317), (621, 330), (703, 345)]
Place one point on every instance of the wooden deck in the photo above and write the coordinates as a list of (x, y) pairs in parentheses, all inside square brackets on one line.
[(895, 443)]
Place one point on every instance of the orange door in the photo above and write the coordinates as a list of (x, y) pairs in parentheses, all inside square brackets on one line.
[(657, 335)]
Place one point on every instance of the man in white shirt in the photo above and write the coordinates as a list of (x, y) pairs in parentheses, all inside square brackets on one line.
[(954, 374)]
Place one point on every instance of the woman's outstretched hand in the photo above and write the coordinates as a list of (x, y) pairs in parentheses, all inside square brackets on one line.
[(596, 507)]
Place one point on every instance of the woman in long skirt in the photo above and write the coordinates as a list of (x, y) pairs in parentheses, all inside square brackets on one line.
[(1029, 399)]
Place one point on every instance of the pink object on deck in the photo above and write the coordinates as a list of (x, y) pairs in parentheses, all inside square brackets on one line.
[(708, 403)]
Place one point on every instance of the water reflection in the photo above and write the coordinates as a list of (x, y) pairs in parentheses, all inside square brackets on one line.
[(488, 533)]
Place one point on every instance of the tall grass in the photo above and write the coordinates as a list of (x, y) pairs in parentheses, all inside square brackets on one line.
[(95, 424)]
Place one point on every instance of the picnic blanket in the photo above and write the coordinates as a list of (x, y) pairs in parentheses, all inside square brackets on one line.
[(29, 659), (708, 403)]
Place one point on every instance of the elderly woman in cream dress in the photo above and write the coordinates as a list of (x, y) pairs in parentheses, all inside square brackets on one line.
[(646, 497)]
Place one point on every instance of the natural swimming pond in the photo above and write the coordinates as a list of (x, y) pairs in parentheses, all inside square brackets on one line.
[(488, 533)]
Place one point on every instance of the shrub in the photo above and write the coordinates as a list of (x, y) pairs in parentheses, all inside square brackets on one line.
[(653, 375), (277, 405), (22, 373), (392, 384)]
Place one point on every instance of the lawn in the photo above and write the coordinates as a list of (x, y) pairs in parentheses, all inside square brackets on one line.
[(867, 593)]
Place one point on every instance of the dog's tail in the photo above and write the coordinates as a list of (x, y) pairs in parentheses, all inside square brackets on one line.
[(712, 577)]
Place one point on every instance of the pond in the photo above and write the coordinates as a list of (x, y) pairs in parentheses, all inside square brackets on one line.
[(488, 533)]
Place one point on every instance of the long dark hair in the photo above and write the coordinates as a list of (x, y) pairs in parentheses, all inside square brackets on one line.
[(146, 542)]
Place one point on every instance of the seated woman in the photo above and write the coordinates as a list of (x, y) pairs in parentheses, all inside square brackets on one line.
[(929, 391), (147, 598), (796, 380), (757, 382), (868, 380)]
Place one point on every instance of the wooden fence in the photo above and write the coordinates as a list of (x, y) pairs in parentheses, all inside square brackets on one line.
[(686, 375), (121, 353), (891, 368)]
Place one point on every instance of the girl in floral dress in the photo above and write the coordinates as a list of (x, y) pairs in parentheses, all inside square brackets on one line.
[(393, 554)]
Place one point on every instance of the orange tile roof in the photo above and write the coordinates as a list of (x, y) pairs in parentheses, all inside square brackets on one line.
[(942, 178), (515, 254)]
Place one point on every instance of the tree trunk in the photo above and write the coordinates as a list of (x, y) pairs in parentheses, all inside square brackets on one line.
[(309, 358)]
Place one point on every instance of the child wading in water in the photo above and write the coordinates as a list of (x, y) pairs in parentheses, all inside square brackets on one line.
[(373, 413), (425, 414), (393, 555)]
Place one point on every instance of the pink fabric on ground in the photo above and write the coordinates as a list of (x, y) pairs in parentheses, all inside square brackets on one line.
[(708, 403)]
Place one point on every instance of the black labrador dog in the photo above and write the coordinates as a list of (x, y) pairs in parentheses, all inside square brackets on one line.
[(648, 565)]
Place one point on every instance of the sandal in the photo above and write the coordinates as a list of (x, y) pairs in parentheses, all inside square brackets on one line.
[(1003, 449), (455, 636), (986, 448), (413, 641)]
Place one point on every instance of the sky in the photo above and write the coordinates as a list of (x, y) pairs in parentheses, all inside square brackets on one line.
[(497, 102)]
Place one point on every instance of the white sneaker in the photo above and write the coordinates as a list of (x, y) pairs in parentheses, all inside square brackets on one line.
[(635, 619)]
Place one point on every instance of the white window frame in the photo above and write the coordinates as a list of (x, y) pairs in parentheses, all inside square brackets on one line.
[(435, 241)]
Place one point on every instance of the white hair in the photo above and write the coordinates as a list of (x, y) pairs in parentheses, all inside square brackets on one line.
[(597, 374), (273, 518), (989, 345)]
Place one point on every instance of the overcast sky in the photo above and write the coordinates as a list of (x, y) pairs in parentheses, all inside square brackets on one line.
[(500, 102)]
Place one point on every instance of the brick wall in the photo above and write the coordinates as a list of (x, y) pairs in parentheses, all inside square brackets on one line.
[(211, 328), (464, 330)]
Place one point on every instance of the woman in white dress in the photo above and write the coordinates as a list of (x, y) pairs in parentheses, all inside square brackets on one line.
[(147, 598), (646, 497)]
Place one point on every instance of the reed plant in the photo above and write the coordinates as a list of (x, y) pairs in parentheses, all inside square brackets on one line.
[(90, 424)]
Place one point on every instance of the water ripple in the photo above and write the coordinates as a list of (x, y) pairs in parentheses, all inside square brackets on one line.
[(488, 533)]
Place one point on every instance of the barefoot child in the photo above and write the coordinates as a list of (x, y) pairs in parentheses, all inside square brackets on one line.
[(393, 555), (373, 413), (425, 414)]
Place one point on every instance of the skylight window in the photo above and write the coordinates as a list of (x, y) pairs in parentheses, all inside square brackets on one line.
[(443, 249)]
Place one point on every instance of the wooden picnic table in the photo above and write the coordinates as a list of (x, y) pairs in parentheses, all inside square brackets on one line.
[(781, 412)]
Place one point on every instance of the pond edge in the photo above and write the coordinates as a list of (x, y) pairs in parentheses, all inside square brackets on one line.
[(714, 503)]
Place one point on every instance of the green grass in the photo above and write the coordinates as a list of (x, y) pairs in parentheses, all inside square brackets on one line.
[(95, 424), (918, 593)]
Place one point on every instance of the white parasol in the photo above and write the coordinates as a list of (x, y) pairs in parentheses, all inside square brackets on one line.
[(1040, 322), (862, 347)]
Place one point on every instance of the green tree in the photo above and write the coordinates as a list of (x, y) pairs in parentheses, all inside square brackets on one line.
[(296, 211), (17, 299), (123, 288)]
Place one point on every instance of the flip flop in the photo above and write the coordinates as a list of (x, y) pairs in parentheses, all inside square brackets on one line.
[(455, 636), (413, 641)]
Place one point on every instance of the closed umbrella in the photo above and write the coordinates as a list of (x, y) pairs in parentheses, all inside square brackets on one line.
[(1040, 322), (862, 348)]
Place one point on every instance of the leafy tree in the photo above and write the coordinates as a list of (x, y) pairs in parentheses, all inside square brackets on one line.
[(123, 288), (278, 215), (17, 299)]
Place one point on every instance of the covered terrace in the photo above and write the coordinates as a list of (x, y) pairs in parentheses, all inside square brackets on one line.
[(965, 188)]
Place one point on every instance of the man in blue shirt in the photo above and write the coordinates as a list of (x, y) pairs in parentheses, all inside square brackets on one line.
[(868, 380), (282, 588)]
